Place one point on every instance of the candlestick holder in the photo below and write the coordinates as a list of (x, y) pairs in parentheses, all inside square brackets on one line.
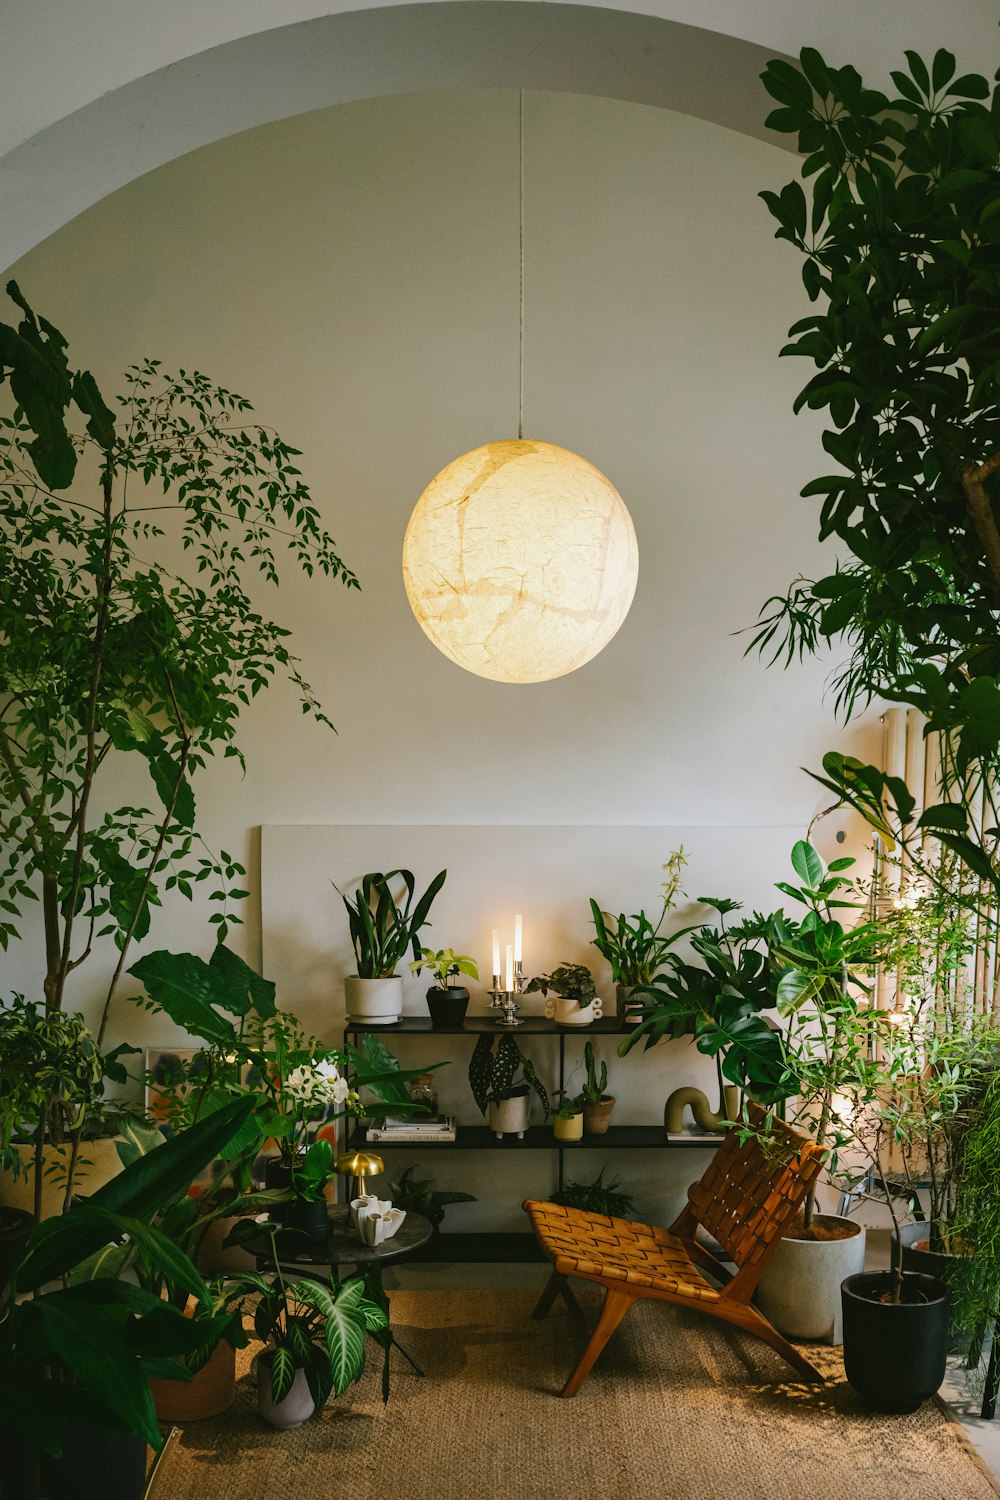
[(505, 1001)]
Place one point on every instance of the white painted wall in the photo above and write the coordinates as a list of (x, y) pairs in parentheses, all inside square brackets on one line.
[(354, 271)]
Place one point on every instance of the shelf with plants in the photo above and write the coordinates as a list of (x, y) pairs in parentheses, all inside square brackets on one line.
[(509, 1246)]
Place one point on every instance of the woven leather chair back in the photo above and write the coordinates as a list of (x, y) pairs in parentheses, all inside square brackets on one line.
[(750, 1191)]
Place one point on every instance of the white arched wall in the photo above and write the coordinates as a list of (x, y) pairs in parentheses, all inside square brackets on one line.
[(97, 95)]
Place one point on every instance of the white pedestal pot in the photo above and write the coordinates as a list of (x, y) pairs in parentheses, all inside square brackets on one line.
[(377, 1002)]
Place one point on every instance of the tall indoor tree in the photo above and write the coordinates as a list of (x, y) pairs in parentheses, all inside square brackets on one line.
[(133, 539), (898, 221)]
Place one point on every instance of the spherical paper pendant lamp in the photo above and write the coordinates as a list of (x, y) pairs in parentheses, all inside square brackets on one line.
[(520, 561)]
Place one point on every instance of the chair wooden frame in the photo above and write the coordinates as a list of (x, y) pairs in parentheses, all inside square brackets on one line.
[(747, 1195)]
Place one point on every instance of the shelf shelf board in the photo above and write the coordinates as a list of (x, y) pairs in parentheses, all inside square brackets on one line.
[(476, 1025), (540, 1138)]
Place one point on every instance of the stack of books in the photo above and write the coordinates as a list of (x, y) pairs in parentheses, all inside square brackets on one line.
[(422, 1128)]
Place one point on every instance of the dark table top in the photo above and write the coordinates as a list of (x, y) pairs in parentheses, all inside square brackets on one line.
[(344, 1247)]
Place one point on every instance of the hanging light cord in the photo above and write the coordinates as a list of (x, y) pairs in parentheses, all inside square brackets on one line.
[(520, 328)]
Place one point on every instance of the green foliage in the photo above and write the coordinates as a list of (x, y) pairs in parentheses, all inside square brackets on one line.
[(718, 1002), (445, 965), (572, 981), (898, 226), (633, 945), (975, 1279), (84, 1352), (51, 1073), (382, 932), (309, 1326), (420, 1194), (499, 1070), (595, 1088), (597, 1197), (108, 649)]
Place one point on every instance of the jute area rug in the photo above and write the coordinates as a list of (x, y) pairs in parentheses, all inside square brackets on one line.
[(676, 1407)]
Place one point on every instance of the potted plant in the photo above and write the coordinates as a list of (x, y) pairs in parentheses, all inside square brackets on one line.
[(298, 1085), (75, 1359), (420, 1194), (51, 1093), (501, 1079), (567, 1118), (597, 1197), (634, 945), (597, 1104), (315, 1338), (446, 1000), (575, 1001), (382, 934)]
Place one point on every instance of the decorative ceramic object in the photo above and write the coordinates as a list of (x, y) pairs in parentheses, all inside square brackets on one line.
[(376, 1228), (570, 1013), (510, 1116), (294, 1409), (705, 1117), (377, 1002)]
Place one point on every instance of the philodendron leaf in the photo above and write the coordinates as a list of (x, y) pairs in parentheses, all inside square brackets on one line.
[(189, 989), (345, 1342), (282, 1373), (244, 985)]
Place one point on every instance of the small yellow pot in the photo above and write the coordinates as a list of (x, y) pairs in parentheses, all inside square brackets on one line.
[(568, 1130)]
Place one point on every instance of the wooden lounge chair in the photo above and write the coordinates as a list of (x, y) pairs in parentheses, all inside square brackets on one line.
[(745, 1199)]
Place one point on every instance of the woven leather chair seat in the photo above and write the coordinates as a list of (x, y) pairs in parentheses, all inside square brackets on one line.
[(744, 1200), (591, 1246)]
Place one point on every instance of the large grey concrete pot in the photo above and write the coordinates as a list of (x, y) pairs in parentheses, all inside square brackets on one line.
[(799, 1291)]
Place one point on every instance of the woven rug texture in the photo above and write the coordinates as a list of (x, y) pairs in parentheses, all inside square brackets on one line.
[(677, 1406)]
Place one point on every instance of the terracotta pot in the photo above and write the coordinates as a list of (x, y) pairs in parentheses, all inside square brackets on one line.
[(211, 1391), (597, 1116)]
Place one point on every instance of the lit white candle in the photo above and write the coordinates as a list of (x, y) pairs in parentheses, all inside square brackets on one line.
[(510, 968), (517, 940), (496, 950)]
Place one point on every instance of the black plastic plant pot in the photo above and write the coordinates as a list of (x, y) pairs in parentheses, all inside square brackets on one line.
[(895, 1352), (308, 1216), (448, 1007)]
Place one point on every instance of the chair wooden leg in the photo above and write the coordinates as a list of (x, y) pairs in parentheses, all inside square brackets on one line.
[(616, 1305), (552, 1289)]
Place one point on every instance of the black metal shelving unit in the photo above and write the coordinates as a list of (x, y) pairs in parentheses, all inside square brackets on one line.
[(510, 1247)]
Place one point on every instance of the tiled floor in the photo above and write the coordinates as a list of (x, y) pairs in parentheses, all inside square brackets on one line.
[(965, 1407)]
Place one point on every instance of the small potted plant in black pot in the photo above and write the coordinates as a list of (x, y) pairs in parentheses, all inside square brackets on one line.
[(446, 1000)]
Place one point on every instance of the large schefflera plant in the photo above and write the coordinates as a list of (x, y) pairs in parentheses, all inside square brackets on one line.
[(131, 536), (898, 223)]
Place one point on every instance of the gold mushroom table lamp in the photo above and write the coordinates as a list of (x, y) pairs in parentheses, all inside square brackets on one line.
[(356, 1166)]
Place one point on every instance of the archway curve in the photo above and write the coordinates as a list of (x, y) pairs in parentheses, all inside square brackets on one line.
[(333, 59)]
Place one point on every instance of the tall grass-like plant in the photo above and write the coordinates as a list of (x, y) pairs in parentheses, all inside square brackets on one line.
[(382, 932)]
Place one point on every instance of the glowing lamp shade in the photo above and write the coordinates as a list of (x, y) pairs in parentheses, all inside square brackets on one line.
[(520, 561)]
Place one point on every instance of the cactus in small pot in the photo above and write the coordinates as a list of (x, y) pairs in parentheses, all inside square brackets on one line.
[(597, 1104)]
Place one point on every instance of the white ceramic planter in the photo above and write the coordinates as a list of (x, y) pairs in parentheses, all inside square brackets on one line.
[(510, 1116), (296, 1407), (799, 1291), (569, 1013), (378, 1002)]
